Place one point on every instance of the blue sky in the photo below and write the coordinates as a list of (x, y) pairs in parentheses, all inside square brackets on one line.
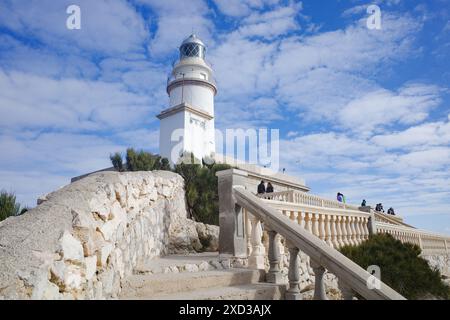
[(364, 112)]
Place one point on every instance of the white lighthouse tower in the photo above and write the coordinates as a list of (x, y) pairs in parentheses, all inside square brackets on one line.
[(188, 124)]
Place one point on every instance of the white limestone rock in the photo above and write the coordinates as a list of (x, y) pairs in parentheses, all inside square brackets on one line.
[(103, 255), (90, 267), (70, 248), (208, 236)]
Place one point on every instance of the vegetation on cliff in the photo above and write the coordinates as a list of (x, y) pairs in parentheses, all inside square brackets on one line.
[(202, 197), (9, 207), (401, 267), (139, 161)]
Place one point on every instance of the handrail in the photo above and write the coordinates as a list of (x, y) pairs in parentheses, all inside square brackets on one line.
[(295, 196), (352, 275), (382, 217), (281, 205)]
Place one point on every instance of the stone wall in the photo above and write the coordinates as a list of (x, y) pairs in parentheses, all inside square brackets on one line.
[(84, 239)]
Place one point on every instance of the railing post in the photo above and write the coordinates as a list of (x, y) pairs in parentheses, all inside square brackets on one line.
[(372, 224), (365, 227), (344, 231), (319, 284), (322, 232), (328, 230), (334, 232), (339, 232), (232, 238), (293, 293), (291, 196), (274, 275), (315, 224), (256, 259), (248, 232)]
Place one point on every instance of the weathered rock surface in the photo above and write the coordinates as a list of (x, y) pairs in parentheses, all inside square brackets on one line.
[(84, 239)]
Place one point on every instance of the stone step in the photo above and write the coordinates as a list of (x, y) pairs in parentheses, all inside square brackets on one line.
[(183, 263), (148, 285), (256, 291)]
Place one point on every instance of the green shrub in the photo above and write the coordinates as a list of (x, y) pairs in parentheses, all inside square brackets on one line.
[(139, 161), (401, 267), (201, 187), (9, 207)]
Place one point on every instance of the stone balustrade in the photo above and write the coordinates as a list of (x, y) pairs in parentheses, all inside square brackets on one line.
[(298, 197), (310, 228), (430, 243), (337, 227), (341, 224)]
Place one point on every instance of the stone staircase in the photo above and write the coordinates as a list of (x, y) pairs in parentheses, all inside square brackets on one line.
[(197, 277)]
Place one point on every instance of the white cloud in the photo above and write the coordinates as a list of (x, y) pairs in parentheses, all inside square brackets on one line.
[(175, 21), (240, 8), (106, 26), (421, 136), (271, 24), (68, 104), (382, 108)]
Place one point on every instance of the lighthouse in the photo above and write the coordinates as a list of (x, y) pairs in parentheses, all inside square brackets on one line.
[(187, 125)]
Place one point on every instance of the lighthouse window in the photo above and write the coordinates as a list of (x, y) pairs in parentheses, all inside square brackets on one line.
[(192, 50), (203, 75)]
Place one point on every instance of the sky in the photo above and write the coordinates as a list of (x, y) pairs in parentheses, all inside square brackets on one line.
[(361, 111)]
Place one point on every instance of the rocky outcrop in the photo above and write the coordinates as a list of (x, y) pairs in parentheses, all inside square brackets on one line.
[(84, 239), (439, 262)]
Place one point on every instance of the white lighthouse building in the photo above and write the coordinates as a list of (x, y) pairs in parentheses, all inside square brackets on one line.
[(188, 124)]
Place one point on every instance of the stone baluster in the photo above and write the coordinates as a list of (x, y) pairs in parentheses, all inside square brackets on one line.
[(301, 219), (344, 231), (248, 232), (319, 283), (308, 221), (291, 196), (339, 232), (328, 239), (256, 259), (294, 216), (348, 222), (353, 230), (315, 224), (358, 234), (274, 275), (334, 232), (365, 223), (322, 234), (293, 293)]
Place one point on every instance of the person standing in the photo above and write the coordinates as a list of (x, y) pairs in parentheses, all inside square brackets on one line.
[(261, 188)]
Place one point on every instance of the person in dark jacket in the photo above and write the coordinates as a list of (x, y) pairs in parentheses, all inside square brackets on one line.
[(261, 188), (269, 188), (364, 203)]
